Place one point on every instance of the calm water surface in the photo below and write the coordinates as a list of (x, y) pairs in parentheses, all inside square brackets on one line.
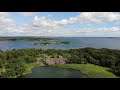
[(75, 42), (53, 72)]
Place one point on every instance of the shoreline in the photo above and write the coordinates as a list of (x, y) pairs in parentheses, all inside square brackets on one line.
[(102, 72), (28, 70), (91, 73)]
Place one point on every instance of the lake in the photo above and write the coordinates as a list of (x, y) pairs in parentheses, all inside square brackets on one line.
[(53, 72), (75, 42)]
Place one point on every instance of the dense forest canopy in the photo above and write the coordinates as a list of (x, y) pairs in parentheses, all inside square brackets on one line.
[(12, 62)]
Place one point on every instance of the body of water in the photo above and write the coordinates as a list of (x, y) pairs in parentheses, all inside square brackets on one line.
[(53, 72), (75, 42)]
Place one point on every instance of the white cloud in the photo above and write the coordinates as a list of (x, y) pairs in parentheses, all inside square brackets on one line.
[(6, 22), (4, 14), (58, 27), (112, 29), (43, 21), (95, 17), (48, 27), (84, 17), (98, 30), (83, 31), (29, 30), (27, 13)]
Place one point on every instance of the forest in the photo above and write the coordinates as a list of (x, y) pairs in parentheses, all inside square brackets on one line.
[(25, 38), (12, 62)]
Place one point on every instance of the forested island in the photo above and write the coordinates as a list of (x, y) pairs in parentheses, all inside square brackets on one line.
[(41, 43), (100, 63), (63, 42), (51, 42), (39, 40), (25, 38)]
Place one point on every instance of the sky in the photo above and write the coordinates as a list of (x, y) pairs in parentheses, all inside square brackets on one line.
[(60, 24)]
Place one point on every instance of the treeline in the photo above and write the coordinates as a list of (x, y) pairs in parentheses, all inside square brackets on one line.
[(25, 38), (12, 62), (102, 57)]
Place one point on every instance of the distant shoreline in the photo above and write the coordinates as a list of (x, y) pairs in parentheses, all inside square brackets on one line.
[(59, 36)]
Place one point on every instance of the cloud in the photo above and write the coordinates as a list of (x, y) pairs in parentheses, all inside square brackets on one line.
[(29, 30), (43, 21), (88, 18), (95, 17), (27, 13), (84, 17), (84, 31), (6, 22), (112, 29), (99, 30), (16, 30), (45, 26), (4, 14)]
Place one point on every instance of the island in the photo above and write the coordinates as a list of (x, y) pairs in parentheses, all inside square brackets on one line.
[(48, 42), (43, 43), (39, 40), (63, 42), (25, 38)]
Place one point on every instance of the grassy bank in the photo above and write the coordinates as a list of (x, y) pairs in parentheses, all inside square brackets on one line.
[(89, 70), (29, 68)]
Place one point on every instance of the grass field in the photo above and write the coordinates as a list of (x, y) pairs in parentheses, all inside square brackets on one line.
[(29, 68), (89, 70)]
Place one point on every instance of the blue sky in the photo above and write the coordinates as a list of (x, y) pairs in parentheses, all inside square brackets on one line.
[(69, 24), (53, 15)]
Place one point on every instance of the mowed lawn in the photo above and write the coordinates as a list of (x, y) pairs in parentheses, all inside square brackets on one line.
[(89, 70)]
